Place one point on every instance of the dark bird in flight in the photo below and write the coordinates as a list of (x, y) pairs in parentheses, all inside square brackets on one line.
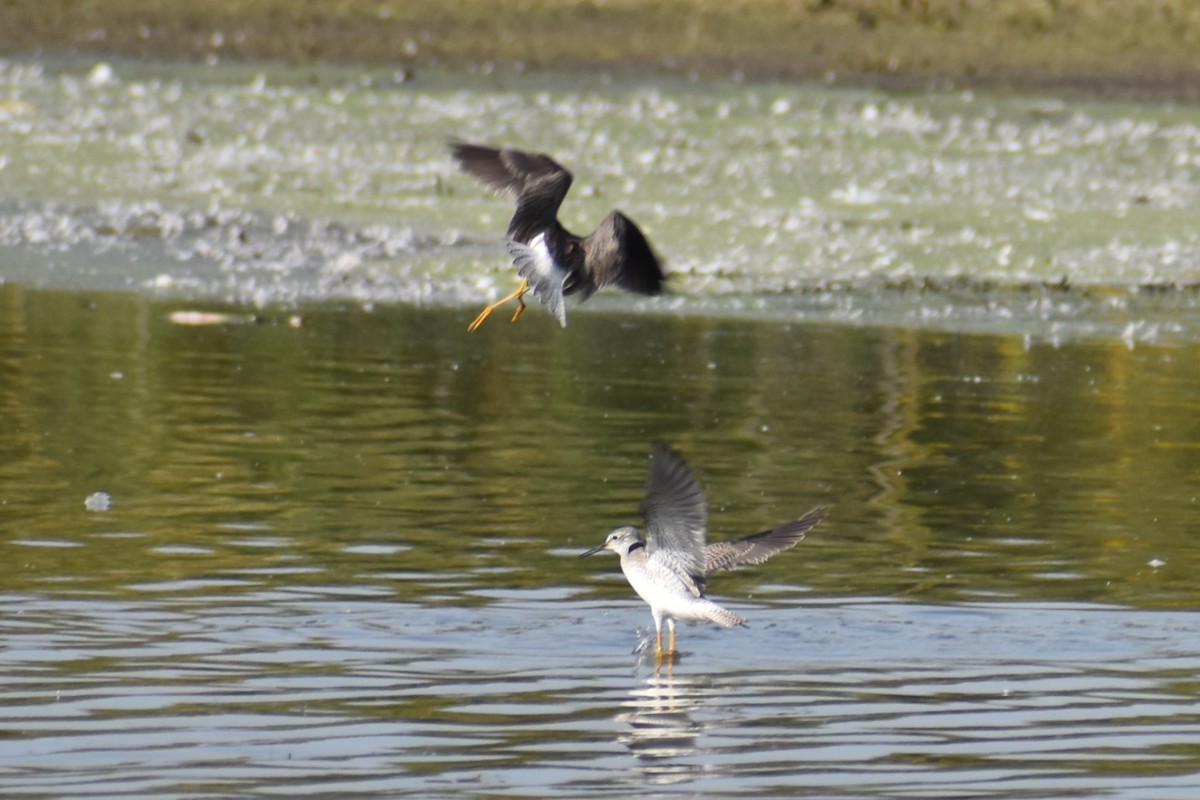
[(552, 261)]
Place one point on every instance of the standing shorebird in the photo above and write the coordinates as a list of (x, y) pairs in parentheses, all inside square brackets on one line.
[(552, 261), (670, 568)]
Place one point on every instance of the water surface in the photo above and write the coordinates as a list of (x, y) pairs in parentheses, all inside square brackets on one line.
[(340, 557)]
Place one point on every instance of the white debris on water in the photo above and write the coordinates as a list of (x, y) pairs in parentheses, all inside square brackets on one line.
[(101, 75), (193, 318), (98, 501)]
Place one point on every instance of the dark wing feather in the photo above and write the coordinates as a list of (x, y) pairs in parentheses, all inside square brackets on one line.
[(507, 171), (759, 547), (537, 182), (675, 513), (617, 252)]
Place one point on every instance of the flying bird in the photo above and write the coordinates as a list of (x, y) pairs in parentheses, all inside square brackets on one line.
[(670, 568), (551, 261)]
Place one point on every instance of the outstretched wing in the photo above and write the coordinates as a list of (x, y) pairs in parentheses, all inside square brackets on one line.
[(537, 182), (759, 547), (617, 252), (510, 172), (675, 513)]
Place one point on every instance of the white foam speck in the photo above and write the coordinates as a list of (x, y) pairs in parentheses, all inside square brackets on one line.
[(98, 501)]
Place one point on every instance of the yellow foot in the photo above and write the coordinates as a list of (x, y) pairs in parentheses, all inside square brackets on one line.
[(666, 657), (517, 295)]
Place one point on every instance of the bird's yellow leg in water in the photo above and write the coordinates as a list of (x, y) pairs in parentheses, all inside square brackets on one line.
[(518, 295)]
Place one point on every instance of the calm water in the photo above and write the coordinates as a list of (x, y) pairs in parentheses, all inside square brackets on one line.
[(340, 557), (272, 523)]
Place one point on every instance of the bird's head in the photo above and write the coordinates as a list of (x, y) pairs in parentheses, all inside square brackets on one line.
[(619, 540)]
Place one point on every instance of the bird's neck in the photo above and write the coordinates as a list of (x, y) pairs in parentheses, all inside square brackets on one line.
[(634, 554)]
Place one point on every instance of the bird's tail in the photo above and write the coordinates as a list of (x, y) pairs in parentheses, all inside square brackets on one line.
[(723, 616), (536, 264)]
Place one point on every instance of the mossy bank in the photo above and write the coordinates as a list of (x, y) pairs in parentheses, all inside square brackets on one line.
[(1127, 47)]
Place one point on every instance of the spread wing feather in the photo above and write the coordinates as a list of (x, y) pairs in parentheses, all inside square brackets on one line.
[(618, 252), (758, 548), (537, 182), (675, 514)]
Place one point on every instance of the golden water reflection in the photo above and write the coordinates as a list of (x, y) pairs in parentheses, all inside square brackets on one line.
[(391, 450)]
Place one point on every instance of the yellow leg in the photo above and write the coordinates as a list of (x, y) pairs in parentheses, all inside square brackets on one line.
[(519, 295), (671, 646), (520, 307)]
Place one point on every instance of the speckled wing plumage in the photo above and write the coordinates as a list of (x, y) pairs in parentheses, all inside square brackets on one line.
[(668, 576), (758, 548), (676, 516)]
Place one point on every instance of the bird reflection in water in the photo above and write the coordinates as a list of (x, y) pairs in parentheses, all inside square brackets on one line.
[(661, 731)]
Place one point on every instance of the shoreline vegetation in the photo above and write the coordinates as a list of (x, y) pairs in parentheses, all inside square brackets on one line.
[(1126, 48)]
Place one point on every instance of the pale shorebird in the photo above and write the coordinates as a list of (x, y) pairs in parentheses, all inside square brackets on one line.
[(670, 568), (552, 261)]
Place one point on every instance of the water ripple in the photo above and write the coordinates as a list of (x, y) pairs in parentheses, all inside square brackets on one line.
[(540, 694)]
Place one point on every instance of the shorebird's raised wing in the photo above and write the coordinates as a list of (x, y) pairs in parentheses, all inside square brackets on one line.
[(617, 252), (537, 182), (675, 514), (510, 172), (758, 548)]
